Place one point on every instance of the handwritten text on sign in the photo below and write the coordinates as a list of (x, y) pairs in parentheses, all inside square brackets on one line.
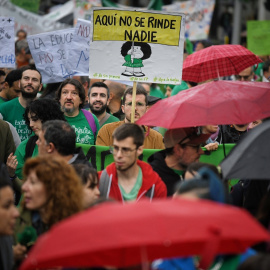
[(49, 51), (78, 59), (7, 47), (136, 26)]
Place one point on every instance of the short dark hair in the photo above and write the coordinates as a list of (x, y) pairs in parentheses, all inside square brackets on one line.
[(2, 72), (84, 79), (139, 91), (21, 31), (129, 130), (87, 173), (99, 84), (78, 87), (62, 135), (13, 76), (44, 110), (31, 67)]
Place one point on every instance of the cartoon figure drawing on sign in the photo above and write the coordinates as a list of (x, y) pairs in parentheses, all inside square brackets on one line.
[(134, 54)]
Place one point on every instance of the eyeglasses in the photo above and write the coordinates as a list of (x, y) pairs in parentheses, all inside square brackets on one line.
[(194, 146), (239, 77), (124, 150), (137, 104)]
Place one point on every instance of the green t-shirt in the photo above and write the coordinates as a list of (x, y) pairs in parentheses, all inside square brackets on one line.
[(3, 100), (111, 119), (132, 195), (155, 92), (20, 153), (12, 112), (84, 133)]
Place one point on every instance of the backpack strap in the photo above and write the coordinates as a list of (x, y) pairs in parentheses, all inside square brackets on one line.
[(30, 146), (104, 184), (91, 121), (104, 119)]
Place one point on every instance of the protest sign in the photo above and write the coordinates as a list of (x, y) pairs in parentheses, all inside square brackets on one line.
[(49, 51), (78, 54), (258, 37), (33, 23), (139, 46), (83, 7), (7, 45), (101, 157), (198, 16)]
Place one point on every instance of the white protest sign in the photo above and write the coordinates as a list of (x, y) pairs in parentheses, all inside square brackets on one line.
[(34, 23), (7, 44), (49, 51), (156, 55), (78, 54), (198, 16)]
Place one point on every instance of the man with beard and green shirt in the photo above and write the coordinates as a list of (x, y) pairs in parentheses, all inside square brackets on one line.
[(12, 111), (71, 96), (99, 98)]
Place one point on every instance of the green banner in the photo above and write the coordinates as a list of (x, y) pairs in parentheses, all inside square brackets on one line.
[(30, 5), (101, 157), (258, 37)]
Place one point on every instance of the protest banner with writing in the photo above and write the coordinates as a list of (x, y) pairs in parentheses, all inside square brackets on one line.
[(258, 37), (33, 23), (198, 16), (78, 54), (140, 46), (7, 45), (50, 53)]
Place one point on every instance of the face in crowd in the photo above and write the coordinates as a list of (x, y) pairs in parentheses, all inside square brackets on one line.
[(30, 83), (70, 100), (140, 107), (8, 211), (98, 100)]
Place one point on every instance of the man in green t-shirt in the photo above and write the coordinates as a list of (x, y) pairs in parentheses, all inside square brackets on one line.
[(71, 96), (99, 98), (12, 111), (11, 87)]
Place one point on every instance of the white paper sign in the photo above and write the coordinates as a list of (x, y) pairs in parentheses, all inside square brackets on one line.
[(7, 44), (78, 59), (198, 16), (156, 55), (33, 23), (50, 53)]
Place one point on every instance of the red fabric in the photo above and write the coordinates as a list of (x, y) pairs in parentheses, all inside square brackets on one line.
[(150, 177), (217, 61), (116, 235), (214, 103)]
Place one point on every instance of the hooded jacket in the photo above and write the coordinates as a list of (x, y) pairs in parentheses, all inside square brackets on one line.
[(168, 176), (152, 185)]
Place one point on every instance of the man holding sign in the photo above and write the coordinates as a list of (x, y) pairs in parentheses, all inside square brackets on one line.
[(153, 139)]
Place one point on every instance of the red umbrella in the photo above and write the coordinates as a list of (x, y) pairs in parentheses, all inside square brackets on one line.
[(213, 103), (217, 61), (119, 235)]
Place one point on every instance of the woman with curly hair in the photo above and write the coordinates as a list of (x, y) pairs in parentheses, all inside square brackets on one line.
[(52, 192), (36, 113)]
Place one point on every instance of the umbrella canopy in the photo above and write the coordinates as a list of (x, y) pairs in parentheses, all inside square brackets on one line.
[(250, 158), (119, 235), (217, 61), (213, 103)]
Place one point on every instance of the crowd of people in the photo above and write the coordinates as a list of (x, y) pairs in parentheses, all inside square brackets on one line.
[(51, 178)]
